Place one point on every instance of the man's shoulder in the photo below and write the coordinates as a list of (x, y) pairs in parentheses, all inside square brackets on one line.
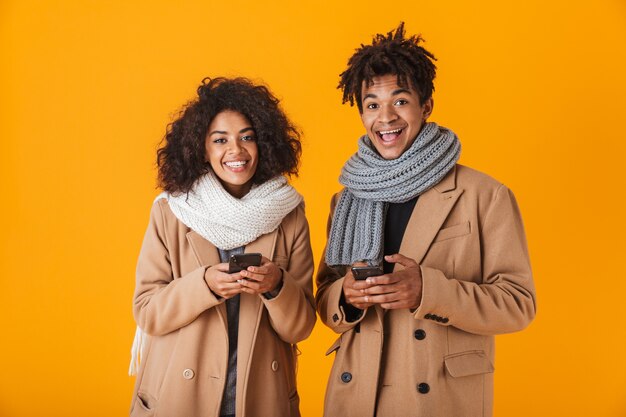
[(467, 177)]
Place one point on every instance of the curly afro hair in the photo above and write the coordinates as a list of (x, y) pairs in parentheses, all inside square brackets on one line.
[(181, 157), (391, 54)]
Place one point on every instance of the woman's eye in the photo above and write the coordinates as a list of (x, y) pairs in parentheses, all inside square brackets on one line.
[(248, 138), (219, 140)]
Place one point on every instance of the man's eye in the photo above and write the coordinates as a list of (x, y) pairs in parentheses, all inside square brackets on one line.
[(401, 102), (372, 106)]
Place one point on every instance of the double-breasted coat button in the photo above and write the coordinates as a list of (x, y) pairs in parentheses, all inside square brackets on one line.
[(438, 319), (445, 320), (274, 366), (346, 377), (423, 388), (428, 316), (188, 373), (420, 334)]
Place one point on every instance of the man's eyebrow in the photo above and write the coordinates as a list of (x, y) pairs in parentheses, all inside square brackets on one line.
[(400, 91), (394, 93), (221, 132)]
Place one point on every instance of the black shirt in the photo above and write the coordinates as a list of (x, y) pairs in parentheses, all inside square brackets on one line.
[(396, 220)]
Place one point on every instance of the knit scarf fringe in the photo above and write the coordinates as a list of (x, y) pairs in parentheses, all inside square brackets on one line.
[(372, 182), (225, 221)]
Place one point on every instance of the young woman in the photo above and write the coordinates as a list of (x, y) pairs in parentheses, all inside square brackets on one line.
[(210, 342)]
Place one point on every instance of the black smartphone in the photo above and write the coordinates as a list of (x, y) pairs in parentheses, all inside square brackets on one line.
[(362, 272), (242, 261)]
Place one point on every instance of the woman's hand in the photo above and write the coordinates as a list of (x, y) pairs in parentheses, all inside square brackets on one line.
[(265, 278), (221, 283)]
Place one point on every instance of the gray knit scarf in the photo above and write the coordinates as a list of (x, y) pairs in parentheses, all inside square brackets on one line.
[(372, 182)]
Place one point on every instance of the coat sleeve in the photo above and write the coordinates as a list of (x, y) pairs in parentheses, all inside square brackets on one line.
[(292, 311), (161, 303), (504, 301), (331, 305)]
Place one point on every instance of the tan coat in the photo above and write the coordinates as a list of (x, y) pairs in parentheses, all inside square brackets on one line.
[(183, 371), (467, 235)]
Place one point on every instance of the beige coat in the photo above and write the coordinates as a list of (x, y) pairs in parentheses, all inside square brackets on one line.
[(467, 235), (183, 371)]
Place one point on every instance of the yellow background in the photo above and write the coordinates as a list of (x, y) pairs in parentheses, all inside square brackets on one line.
[(535, 90)]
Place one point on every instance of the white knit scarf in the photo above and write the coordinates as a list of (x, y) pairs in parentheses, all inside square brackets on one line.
[(226, 221), (229, 222)]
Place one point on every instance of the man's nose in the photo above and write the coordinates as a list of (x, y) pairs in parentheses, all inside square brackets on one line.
[(387, 114)]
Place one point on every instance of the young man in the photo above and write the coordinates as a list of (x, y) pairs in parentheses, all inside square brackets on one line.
[(418, 338)]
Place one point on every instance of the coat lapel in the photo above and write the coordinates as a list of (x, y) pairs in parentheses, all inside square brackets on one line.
[(430, 212), (250, 312), (207, 254), (250, 306)]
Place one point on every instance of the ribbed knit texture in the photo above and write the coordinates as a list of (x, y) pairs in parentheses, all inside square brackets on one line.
[(371, 182), (230, 222)]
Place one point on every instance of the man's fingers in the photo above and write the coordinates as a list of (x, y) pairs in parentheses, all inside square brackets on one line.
[(381, 298), (400, 259), (383, 279), (379, 289)]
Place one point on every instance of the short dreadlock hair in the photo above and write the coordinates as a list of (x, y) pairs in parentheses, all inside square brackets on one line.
[(391, 54)]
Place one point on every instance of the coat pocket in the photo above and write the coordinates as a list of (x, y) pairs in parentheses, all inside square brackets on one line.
[(453, 231), (468, 363), (145, 405)]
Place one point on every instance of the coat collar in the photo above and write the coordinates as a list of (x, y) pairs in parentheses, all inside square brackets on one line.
[(431, 210)]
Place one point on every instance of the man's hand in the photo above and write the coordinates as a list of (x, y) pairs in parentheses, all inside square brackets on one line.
[(352, 289), (261, 279), (402, 289)]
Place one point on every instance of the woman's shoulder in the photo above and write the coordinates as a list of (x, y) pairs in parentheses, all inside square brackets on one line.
[(162, 214)]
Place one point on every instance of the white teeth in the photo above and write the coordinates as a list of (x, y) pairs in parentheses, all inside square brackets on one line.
[(235, 164), (387, 132)]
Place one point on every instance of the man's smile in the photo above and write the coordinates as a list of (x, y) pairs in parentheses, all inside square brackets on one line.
[(389, 135)]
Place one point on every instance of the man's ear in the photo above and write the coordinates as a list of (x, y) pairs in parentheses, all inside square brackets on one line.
[(428, 107)]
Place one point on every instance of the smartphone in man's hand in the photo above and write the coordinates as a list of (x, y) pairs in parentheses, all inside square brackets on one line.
[(362, 272)]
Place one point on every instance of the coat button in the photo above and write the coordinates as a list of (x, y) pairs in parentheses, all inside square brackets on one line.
[(274, 366), (420, 334), (428, 316), (346, 377), (335, 317), (188, 374), (423, 388), (445, 320)]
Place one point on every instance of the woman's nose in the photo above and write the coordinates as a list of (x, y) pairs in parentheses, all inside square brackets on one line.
[(234, 147)]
